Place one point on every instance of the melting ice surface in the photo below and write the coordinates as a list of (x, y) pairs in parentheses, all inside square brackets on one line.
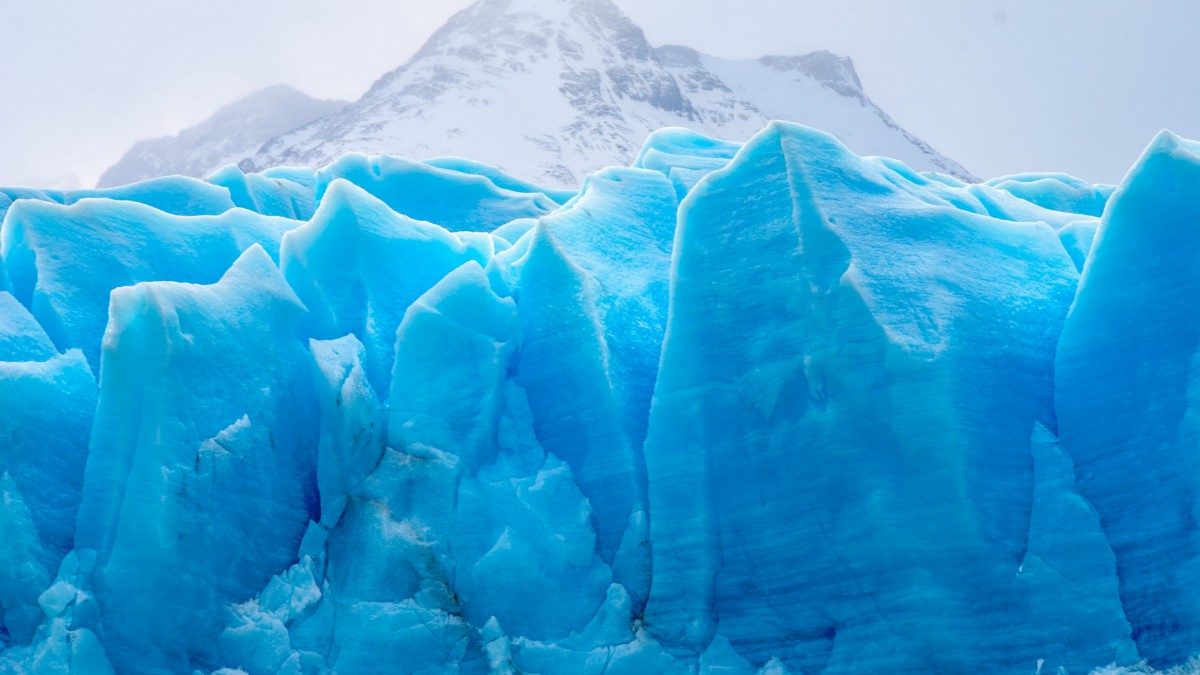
[(761, 408)]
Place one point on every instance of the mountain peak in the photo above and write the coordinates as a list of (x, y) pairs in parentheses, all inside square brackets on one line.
[(234, 132), (516, 24), (551, 90)]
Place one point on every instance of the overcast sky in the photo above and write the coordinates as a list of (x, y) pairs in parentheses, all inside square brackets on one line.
[(1002, 86)]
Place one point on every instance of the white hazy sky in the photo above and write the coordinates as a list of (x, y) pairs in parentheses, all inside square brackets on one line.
[(1002, 86)]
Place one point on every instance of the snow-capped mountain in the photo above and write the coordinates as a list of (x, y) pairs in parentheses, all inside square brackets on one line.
[(235, 132), (553, 89)]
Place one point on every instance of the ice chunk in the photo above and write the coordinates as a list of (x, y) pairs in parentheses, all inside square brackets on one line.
[(499, 178), (352, 422), (199, 483), (816, 342), (453, 199), (63, 261), (541, 518), (270, 196), (10, 195), (1057, 191), (299, 175), (23, 568), (564, 369), (456, 406), (358, 265), (1066, 543), (620, 232), (59, 649), (176, 195), (1128, 394), (385, 638), (684, 156), (1077, 238), (722, 659), (21, 338), (459, 338), (47, 399)]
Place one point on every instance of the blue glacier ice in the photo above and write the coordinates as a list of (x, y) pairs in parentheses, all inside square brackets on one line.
[(1058, 192), (63, 261), (173, 435), (854, 347), (454, 196), (1127, 393), (287, 195), (755, 407), (48, 400), (172, 194), (685, 156)]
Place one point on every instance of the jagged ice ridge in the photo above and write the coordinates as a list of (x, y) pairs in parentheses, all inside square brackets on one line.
[(760, 408)]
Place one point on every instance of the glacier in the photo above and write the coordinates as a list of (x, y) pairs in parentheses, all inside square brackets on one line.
[(761, 407)]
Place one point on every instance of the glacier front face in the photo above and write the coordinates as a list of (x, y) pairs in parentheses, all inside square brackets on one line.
[(760, 408)]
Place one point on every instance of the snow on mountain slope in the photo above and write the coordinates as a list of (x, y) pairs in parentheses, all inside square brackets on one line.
[(824, 91), (233, 133), (551, 90)]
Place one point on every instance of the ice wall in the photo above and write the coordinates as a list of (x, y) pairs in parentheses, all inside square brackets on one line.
[(1127, 377), (740, 408)]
